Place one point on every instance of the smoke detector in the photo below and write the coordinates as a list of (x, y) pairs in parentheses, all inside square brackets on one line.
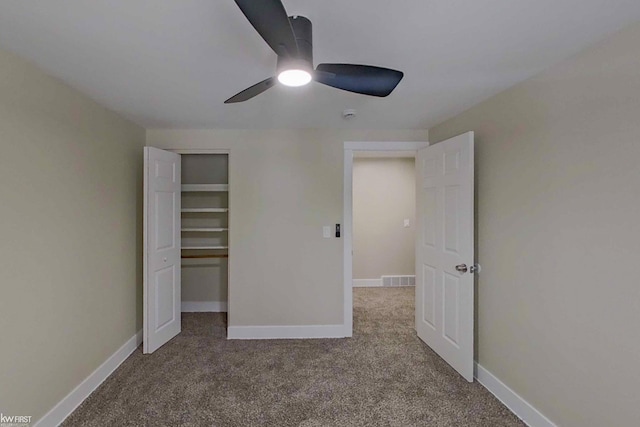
[(349, 114)]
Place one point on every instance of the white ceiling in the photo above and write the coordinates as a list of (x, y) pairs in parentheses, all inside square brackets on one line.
[(172, 63)]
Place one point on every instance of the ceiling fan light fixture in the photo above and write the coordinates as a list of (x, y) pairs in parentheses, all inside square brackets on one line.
[(294, 77), (291, 38)]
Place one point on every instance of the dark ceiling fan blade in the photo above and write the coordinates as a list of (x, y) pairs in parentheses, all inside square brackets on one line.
[(270, 20), (364, 79), (252, 91)]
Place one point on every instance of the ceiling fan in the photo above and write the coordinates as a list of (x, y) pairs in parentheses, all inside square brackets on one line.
[(290, 38)]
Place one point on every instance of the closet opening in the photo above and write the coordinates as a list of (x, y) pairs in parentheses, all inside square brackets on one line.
[(204, 239)]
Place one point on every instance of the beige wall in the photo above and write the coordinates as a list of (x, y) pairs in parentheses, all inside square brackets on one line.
[(284, 186), (558, 235), (383, 197), (70, 238)]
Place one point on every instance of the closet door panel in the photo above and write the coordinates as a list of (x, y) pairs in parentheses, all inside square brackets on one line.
[(162, 272)]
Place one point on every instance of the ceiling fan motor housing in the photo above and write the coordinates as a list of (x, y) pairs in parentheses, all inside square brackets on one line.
[(302, 30)]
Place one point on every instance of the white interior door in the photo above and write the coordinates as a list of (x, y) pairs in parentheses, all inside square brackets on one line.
[(161, 316), (444, 243)]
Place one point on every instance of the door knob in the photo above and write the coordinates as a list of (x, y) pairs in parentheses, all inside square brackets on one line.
[(165, 260), (462, 268)]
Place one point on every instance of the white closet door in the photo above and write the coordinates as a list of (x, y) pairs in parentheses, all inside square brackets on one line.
[(161, 248), (444, 250)]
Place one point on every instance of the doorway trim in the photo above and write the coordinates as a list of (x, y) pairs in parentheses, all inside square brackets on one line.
[(347, 216)]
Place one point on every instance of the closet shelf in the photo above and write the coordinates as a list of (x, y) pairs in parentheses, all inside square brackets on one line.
[(205, 256), (205, 210), (206, 230), (205, 187), (204, 247)]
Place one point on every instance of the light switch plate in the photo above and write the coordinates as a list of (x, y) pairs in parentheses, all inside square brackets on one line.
[(406, 223), (326, 231)]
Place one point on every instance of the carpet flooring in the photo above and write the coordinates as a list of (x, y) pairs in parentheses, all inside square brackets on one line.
[(383, 376)]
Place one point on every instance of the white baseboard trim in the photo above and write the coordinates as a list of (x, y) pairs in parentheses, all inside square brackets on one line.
[(367, 283), (66, 406), (520, 407), (204, 306), (285, 332)]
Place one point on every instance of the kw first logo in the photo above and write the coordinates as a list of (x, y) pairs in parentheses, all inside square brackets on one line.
[(14, 420)]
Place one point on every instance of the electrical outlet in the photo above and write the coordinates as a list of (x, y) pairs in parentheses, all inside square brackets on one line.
[(406, 223), (326, 231)]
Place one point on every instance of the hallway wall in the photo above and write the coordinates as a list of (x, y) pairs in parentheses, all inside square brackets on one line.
[(383, 197)]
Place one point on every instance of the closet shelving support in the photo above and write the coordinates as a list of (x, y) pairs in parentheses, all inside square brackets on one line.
[(204, 247), (205, 188), (204, 210), (205, 256), (204, 230)]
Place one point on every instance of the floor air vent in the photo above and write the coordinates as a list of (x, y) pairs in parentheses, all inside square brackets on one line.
[(393, 281)]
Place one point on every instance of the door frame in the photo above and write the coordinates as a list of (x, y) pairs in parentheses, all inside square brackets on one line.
[(229, 196), (347, 216)]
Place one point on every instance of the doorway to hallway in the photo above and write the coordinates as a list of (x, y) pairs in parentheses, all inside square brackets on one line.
[(384, 221)]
